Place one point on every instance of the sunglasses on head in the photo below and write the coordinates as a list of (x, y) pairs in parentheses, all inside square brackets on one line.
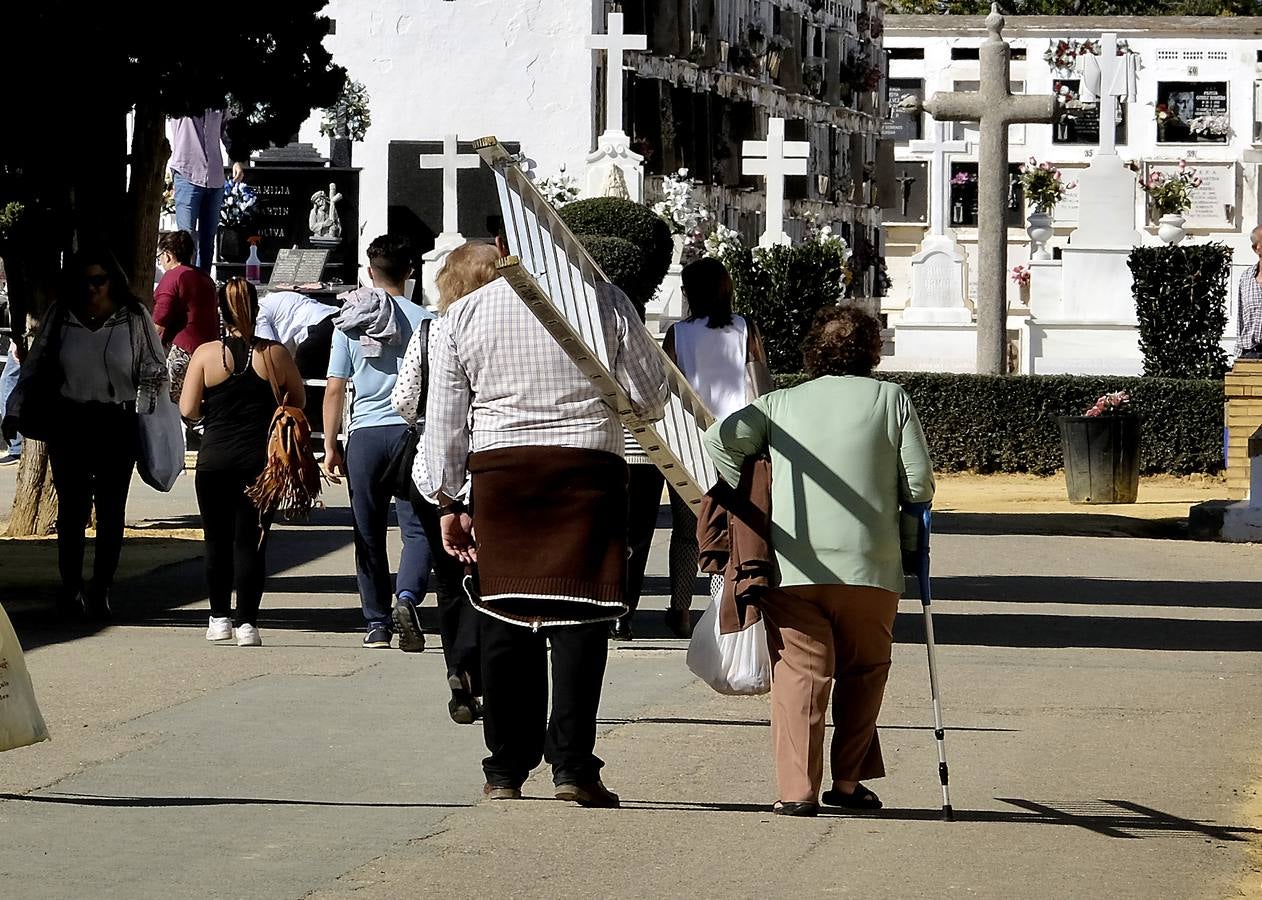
[(96, 280)]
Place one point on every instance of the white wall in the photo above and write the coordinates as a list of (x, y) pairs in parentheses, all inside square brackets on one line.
[(519, 70)]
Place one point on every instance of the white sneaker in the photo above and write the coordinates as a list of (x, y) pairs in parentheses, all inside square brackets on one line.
[(219, 630), (248, 636)]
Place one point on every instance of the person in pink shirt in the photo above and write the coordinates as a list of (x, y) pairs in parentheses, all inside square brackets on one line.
[(184, 305)]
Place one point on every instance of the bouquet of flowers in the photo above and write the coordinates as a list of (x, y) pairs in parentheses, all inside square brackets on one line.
[(1210, 126), (721, 241), (678, 209), (1164, 115), (1044, 185), (1020, 276), (961, 178), (239, 200), (349, 114), (1064, 95), (559, 190), (1116, 403), (1172, 194), (168, 195)]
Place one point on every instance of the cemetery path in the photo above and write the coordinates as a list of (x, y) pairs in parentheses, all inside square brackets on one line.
[(1101, 694)]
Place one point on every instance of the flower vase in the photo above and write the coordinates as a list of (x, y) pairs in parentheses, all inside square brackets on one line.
[(1170, 228), (1039, 228)]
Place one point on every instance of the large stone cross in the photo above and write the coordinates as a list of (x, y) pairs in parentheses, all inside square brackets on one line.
[(451, 161), (995, 108), (615, 42), (1115, 80), (774, 158), (940, 151)]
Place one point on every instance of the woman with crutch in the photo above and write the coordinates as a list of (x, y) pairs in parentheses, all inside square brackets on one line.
[(846, 451)]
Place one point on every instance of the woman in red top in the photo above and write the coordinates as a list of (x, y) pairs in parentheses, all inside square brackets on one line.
[(184, 305)]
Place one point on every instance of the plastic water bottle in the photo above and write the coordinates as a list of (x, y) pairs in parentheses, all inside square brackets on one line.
[(254, 265)]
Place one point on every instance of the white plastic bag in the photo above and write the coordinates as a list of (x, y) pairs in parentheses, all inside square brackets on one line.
[(161, 445), (737, 663), (20, 719)]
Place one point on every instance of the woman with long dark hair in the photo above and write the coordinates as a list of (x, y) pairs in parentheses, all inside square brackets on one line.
[(233, 386), (93, 360)]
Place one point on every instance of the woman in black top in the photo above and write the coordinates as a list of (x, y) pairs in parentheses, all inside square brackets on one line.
[(232, 385)]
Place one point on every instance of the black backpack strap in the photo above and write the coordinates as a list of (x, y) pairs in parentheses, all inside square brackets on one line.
[(420, 404)]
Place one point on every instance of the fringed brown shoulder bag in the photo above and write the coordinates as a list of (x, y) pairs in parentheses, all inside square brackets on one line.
[(290, 481)]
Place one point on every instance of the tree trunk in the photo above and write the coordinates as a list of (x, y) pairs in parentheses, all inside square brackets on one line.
[(149, 154), (35, 499)]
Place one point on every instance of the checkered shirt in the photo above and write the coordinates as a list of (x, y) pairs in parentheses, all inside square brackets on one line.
[(1249, 312), (498, 379)]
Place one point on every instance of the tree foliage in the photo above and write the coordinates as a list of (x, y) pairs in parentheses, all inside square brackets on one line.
[(1082, 7)]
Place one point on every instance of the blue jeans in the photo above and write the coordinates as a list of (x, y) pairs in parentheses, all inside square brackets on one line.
[(197, 212), (8, 379), (368, 452)]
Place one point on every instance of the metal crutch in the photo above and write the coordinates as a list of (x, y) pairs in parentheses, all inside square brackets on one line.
[(924, 513)]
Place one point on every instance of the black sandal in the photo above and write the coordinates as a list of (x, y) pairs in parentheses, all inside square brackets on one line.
[(860, 798), (782, 808)]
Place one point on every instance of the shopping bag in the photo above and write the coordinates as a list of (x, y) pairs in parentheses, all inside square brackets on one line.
[(737, 663), (20, 719), (161, 444)]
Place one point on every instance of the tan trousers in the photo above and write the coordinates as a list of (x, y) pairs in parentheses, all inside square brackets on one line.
[(827, 637)]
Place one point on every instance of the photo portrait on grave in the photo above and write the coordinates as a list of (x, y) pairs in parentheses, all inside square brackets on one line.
[(466, 269), (847, 451)]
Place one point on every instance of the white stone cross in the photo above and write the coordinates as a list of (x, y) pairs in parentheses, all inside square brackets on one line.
[(451, 161), (940, 151), (615, 42), (1110, 79), (774, 158)]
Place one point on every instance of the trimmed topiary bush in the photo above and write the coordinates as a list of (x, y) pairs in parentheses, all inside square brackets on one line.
[(782, 287), (1181, 300), (629, 242), (1008, 423)]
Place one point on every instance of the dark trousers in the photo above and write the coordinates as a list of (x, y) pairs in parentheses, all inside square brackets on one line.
[(519, 732), (683, 552), (312, 358), (368, 453), (644, 499), (92, 463), (236, 543), (1250, 354), (458, 621)]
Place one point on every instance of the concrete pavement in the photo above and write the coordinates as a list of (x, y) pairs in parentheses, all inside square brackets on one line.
[(1101, 694)]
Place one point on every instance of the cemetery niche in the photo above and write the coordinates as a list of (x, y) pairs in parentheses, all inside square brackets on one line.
[(905, 124), (302, 202), (1192, 112), (964, 196), (1080, 121), (908, 202)]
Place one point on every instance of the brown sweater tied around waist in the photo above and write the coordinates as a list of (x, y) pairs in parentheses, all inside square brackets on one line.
[(551, 526), (734, 539)]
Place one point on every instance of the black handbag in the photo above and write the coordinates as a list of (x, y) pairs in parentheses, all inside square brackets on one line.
[(398, 472), (40, 404)]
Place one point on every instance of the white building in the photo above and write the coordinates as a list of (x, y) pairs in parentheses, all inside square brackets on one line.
[(711, 76), (1203, 69)]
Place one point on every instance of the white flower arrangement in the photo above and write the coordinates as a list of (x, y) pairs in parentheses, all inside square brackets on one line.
[(1216, 126), (559, 190), (824, 234), (721, 241), (683, 214)]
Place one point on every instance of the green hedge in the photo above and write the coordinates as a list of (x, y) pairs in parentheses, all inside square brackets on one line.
[(1007, 423), (1181, 301), (630, 242)]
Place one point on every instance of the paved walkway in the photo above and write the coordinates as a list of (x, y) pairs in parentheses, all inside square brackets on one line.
[(1102, 694)]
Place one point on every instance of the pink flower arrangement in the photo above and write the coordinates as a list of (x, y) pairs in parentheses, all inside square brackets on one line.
[(1172, 194), (1020, 276), (1110, 404), (963, 178), (1044, 185)]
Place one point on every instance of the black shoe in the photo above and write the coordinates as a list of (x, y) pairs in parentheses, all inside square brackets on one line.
[(407, 623), (795, 809), (377, 638), (462, 707), (679, 621), (95, 604), (620, 629), (861, 798), (594, 794)]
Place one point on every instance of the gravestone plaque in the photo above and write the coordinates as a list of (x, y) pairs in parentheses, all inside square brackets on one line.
[(1080, 122), (1066, 211), (1198, 112), (908, 202), (302, 206), (1216, 202), (904, 124), (285, 269), (415, 195)]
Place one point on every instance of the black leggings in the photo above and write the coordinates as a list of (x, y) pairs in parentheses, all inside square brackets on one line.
[(235, 555)]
